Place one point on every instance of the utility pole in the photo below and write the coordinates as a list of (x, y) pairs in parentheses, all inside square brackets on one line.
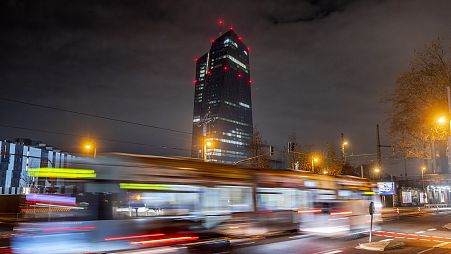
[(378, 150), (449, 130), (220, 26), (343, 158)]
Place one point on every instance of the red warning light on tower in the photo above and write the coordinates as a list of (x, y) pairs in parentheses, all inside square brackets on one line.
[(231, 27), (225, 68), (220, 22)]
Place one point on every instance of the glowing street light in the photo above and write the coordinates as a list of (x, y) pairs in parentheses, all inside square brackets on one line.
[(325, 172), (314, 160), (206, 144), (423, 168), (377, 171), (442, 120), (89, 147), (344, 143)]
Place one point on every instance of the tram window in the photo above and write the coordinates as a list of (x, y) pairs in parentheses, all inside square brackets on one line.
[(281, 199), (227, 199), (158, 203)]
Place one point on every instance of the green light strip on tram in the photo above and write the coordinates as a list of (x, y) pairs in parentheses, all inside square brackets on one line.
[(144, 186), (62, 172)]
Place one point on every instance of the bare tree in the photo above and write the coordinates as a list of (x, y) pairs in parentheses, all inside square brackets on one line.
[(332, 163), (419, 98), (259, 149), (298, 157)]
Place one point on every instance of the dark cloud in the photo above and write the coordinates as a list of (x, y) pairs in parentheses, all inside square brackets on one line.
[(134, 60), (305, 11)]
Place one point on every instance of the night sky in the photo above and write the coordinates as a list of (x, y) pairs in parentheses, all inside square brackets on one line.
[(319, 68)]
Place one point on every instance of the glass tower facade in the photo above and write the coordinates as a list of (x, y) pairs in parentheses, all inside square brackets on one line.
[(222, 101)]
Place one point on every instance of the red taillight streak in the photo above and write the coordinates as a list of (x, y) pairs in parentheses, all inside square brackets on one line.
[(166, 240), (310, 211), (68, 229), (425, 237), (131, 237), (341, 213), (49, 203)]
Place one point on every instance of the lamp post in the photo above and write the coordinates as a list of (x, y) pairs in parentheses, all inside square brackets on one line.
[(90, 148), (441, 123), (314, 159), (206, 144), (377, 171), (423, 168), (344, 143)]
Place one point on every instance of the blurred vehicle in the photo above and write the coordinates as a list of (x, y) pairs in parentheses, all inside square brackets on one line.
[(99, 236), (128, 195)]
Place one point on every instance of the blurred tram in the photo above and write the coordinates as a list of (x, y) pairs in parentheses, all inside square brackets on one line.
[(125, 192)]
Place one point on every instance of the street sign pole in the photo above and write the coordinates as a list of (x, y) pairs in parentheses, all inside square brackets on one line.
[(371, 210)]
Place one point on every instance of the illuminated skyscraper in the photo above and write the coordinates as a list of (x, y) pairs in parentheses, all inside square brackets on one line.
[(222, 101)]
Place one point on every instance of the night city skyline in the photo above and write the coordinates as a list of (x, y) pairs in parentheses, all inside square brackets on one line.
[(133, 62), (214, 127), (222, 117)]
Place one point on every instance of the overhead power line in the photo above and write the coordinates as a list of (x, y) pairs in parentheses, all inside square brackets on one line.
[(81, 136), (94, 115)]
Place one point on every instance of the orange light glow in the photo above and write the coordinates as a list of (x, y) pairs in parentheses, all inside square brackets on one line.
[(310, 211), (441, 120), (341, 213)]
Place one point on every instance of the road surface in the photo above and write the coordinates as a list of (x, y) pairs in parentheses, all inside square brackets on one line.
[(422, 235)]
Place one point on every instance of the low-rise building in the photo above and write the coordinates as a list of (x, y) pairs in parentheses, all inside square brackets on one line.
[(18, 156)]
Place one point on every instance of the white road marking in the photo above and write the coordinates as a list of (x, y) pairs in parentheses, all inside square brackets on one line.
[(423, 251), (329, 252), (433, 247), (332, 252), (441, 244)]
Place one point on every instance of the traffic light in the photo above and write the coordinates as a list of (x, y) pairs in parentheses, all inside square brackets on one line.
[(271, 150), (290, 147)]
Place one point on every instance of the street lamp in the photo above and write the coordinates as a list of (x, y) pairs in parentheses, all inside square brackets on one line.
[(423, 168), (314, 159), (377, 170), (206, 144), (325, 172), (343, 154), (441, 120), (90, 147)]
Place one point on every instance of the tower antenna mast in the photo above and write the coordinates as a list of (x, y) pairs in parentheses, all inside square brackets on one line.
[(220, 26)]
